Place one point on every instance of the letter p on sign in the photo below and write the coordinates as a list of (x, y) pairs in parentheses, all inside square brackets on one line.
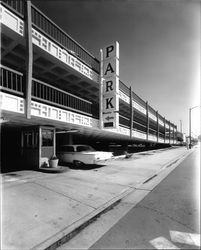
[(111, 51)]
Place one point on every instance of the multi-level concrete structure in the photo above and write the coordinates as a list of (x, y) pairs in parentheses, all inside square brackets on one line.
[(50, 85)]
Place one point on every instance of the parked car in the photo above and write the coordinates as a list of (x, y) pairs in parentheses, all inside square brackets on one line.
[(82, 154)]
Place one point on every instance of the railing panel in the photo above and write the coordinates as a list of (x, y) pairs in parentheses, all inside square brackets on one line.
[(152, 131), (124, 121), (11, 80), (138, 100), (161, 117), (139, 127), (16, 5), (51, 94), (152, 110), (124, 88)]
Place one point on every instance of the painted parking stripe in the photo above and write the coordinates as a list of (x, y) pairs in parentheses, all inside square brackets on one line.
[(185, 238), (162, 243)]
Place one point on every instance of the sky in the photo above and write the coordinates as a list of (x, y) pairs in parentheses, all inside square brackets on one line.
[(159, 44)]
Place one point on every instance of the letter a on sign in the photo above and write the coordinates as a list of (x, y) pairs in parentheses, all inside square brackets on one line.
[(109, 69)]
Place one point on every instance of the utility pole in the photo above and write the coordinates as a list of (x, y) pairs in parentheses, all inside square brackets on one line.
[(190, 124), (190, 128)]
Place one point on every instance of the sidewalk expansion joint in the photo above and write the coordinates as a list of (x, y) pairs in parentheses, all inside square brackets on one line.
[(64, 195)]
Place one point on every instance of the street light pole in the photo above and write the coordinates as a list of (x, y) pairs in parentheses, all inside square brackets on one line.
[(190, 128), (180, 126), (190, 124)]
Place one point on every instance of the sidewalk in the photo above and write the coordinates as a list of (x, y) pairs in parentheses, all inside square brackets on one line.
[(41, 210)]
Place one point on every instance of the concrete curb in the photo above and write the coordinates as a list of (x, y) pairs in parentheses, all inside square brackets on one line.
[(177, 160), (68, 233), (163, 172)]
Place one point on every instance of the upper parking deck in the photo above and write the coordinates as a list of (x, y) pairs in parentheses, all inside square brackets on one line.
[(56, 79), (43, 24)]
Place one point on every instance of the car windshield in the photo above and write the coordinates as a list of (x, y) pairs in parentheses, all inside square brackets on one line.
[(84, 148), (67, 149)]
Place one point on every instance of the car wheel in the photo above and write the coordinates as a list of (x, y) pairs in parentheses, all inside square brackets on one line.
[(77, 164)]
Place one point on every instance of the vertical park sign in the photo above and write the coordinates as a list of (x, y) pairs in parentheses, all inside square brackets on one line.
[(109, 86)]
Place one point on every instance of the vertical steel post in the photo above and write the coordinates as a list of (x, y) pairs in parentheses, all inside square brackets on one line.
[(164, 129), (169, 133), (147, 109), (180, 126), (176, 133), (29, 58), (131, 112), (101, 92), (190, 128), (157, 116)]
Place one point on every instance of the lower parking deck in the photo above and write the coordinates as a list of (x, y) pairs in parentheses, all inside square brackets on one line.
[(29, 145)]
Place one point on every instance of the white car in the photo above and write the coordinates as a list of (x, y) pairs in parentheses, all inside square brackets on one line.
[(82, 154)]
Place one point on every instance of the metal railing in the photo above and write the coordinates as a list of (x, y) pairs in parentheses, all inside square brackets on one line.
[(47, 93), (11, 81), (49, 28), (125, 89), (140, 117), (15, 5), (151, 110), (152, 131), (139, 127), (124, 121), (42, 23), (161, 117), (139, 100)]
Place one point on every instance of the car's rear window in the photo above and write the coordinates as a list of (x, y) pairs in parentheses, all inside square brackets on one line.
[(67, 149), (84, 148)]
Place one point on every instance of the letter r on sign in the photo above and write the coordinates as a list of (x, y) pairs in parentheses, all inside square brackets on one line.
[(109, 86)]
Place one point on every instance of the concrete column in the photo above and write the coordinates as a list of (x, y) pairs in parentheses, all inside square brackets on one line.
[(147, 108), (169, 133), (131, 112), (29, 58)]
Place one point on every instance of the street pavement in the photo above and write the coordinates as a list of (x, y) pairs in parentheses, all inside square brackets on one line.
[(43, 210), (167, 218)]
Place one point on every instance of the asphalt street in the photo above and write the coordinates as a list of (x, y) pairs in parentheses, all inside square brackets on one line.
[(167, 218)]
